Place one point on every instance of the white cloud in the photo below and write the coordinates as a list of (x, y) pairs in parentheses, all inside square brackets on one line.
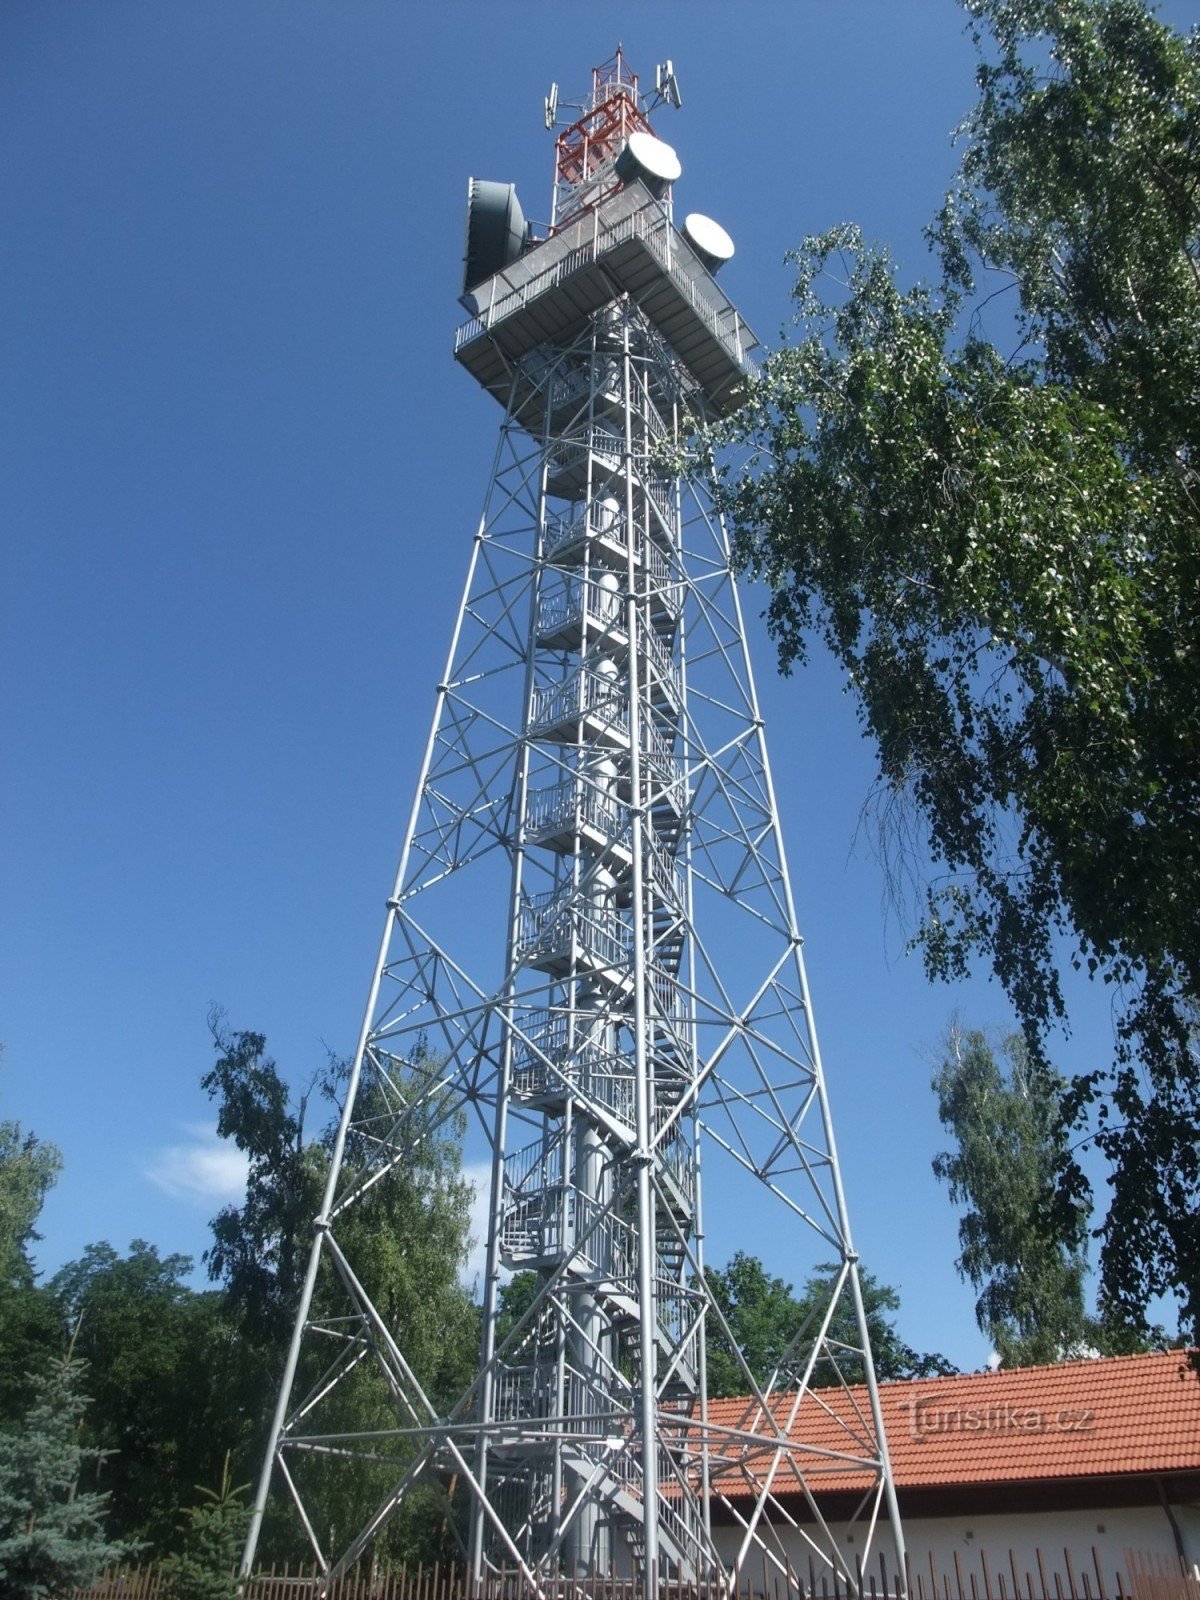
[(206, 1170)]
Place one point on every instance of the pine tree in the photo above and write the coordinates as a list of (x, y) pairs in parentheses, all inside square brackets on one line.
[(213, 1533), (51, 1536)]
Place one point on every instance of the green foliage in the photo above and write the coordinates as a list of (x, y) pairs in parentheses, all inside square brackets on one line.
[(773, 1328), (159, 1361), (212, 1535), (52, 1536), (407, 1239), (516, 1297), (30, 1323), (29, 1168), (184, 1379), (763, 1315), (1079, 179), (1146, 1126), (1003, 551), (1021, 1247), (260, 1248)]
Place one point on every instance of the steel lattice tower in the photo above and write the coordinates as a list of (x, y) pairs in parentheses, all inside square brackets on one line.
[(591, 955)]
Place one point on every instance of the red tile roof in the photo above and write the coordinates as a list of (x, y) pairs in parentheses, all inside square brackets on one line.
[(1077, 1419)]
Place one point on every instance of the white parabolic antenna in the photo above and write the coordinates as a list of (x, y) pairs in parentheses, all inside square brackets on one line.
[(708, 239), (650, 159)]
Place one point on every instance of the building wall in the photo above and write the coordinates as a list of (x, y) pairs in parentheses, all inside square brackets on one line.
[(1102, 1534)]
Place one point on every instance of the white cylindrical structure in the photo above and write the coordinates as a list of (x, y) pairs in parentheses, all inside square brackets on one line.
[(708, 239)]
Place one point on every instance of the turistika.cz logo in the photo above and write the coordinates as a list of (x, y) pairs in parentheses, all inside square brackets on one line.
[(930, 1417)]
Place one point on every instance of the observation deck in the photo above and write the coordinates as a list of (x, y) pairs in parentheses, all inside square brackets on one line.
[(627, 245)]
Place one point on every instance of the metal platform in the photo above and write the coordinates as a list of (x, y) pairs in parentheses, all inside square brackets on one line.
[(627, 244)]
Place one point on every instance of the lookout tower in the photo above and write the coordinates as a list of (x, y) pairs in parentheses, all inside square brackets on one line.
[(591, 966)]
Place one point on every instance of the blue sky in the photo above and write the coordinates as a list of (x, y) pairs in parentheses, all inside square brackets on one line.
[(239, 474)]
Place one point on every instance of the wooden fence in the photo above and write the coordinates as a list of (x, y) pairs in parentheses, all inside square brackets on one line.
[(1146, 1577), (1158, 1577)]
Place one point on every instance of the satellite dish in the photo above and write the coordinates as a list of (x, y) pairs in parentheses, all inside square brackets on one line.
[(497, 232), (650, 159), (708, 239)]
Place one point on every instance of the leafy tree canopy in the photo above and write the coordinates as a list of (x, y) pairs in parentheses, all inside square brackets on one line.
[(163, 1404), (1024, 1243), (184, 1380), (30, 1324), (1000, 542), (407, 1238), (260, 1248), (29, 1168), (766, 1319)]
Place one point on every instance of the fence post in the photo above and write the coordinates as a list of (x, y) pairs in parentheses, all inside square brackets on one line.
[(1099, 1572)]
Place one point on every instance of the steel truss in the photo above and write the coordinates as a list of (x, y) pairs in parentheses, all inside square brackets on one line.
[(591, 956)]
